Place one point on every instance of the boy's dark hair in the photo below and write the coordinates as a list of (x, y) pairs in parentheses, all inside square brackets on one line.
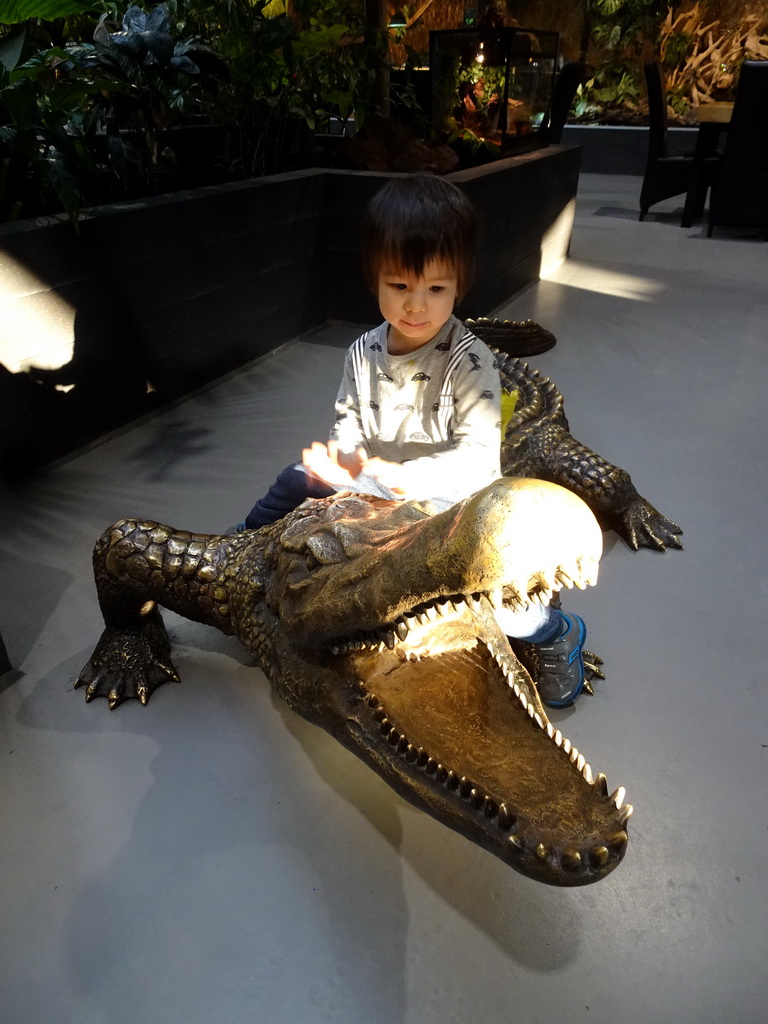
[(415, 219)]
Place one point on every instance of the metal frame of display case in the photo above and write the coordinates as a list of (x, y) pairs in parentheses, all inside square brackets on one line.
[(512, 49)]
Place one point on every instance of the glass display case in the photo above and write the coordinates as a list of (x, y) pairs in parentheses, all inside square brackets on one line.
[(494, 85)]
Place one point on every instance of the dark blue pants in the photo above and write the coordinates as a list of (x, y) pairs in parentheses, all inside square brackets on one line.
[(292, 486)]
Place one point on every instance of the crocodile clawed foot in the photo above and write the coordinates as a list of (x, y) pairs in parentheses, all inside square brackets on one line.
[(593, 665), (593, 669), (643, 526), (128, 663)]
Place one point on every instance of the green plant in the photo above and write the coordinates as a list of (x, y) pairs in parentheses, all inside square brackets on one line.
[(88, 122), (46, 134), (147, 83), (13, 12)]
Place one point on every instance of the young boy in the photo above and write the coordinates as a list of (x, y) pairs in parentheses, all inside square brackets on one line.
[(418, 412)]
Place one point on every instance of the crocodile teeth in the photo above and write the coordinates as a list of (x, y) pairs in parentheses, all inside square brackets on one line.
[(550, 730), (625, 813), (574, 755), (538, 720), (506, 818), (589, 568), (601, 784), (564, 579), (559, 738), (581, 762), (545, 581), (571, 860), (598, 856), (401, 629), (617, 843), (617, 797), (566, 745), (586, 771), (496, 597), (431, 612), (389, 639)]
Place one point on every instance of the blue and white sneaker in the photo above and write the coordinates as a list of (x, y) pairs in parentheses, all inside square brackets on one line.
[(561, 665)]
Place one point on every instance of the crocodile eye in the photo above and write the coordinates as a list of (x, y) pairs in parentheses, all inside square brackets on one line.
[(326, 548)]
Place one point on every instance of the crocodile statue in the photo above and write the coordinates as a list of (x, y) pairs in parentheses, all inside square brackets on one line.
[(375, 620), (538, 444)]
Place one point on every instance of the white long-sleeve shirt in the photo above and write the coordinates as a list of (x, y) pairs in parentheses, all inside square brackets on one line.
[(437, 410)]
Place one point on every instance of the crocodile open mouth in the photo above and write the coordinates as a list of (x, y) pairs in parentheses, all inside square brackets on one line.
[(453, 703)]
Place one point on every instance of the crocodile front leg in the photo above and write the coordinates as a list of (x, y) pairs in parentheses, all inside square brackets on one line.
[(138, 565), (553, 454)]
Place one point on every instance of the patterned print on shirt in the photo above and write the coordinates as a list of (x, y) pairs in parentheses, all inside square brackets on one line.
[(421, 376), (475, 360), (384, 377)]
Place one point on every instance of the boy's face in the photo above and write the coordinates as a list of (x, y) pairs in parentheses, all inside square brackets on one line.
[(416, 307)]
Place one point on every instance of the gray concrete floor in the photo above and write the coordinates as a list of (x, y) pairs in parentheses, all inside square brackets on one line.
[(212, 858)]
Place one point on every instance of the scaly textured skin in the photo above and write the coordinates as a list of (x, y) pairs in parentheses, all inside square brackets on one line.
[(538, 444), (374, 620)]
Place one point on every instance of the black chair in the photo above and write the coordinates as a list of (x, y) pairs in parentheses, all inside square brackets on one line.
[(570, 77), (666, 175), (739, 196)]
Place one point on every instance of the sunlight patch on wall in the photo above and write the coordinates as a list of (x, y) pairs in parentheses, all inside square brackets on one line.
[(591, 278), (37, 326), (554, 242)]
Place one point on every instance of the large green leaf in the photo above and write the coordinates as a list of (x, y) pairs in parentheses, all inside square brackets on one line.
[(14, 11)]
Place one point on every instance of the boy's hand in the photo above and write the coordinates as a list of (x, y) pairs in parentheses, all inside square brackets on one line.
[(353, 462), (391, 474), (324, 462)]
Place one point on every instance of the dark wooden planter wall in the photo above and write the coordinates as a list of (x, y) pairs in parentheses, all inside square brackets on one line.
[(180, 289)]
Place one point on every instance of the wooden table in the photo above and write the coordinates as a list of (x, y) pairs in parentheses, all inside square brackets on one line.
[(713, 118)]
